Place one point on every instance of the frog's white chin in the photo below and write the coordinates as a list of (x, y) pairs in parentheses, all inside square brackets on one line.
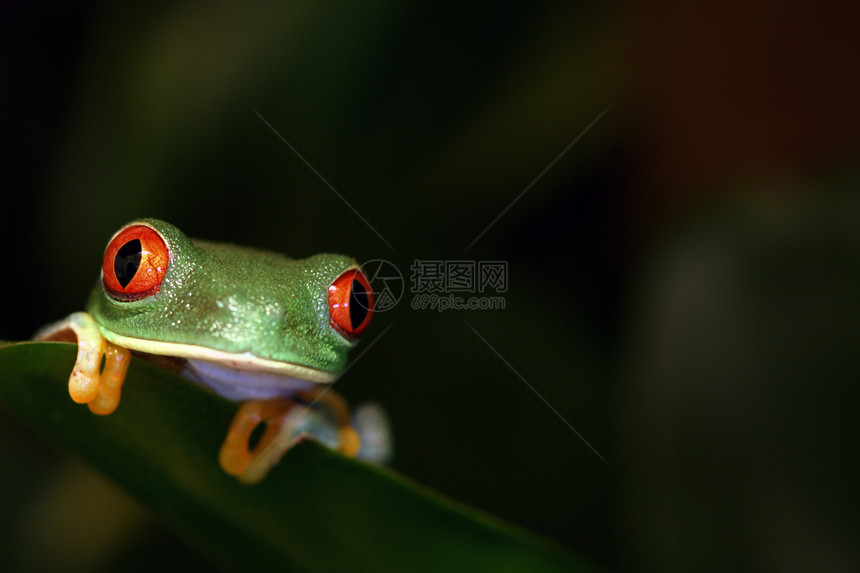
[(239, 384), (237, 376)]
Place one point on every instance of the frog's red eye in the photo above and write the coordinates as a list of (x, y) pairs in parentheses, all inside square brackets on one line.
[(350, 302), (134, 264)]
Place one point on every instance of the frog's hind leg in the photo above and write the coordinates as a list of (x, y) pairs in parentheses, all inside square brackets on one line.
[(235, 454), (87, 383), (349, 441), (286, 423)]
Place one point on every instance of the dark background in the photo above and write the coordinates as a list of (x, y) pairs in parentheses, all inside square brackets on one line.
[(682, 281)]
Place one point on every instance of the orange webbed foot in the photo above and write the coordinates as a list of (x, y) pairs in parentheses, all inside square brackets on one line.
[(88, 383), (287, 423)]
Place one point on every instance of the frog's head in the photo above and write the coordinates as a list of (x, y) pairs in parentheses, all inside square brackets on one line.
[(230, 311)]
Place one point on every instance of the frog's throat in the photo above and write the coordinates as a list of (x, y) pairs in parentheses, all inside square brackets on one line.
[(239, 360)]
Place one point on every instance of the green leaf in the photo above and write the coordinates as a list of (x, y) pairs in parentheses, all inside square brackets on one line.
[(316, 511)]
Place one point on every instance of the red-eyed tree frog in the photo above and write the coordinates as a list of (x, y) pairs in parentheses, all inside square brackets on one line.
[(254, 326)]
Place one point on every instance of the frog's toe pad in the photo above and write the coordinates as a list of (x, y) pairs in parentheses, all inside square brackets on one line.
[(374, 430)]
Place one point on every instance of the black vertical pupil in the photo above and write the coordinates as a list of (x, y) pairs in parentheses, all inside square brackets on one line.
[(358, 304), (127, 262)]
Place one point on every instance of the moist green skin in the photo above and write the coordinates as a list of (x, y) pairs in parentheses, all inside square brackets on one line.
[(235, 299)]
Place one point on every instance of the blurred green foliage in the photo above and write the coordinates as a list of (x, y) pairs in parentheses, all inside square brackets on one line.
[(315, 511)]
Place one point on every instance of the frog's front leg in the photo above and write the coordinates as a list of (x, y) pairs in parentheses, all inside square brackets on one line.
[(117, 360), (88, 383), (286, 423)]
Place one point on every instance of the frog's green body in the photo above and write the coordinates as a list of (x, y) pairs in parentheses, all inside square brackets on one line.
[(250, 324), (233, 299)]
